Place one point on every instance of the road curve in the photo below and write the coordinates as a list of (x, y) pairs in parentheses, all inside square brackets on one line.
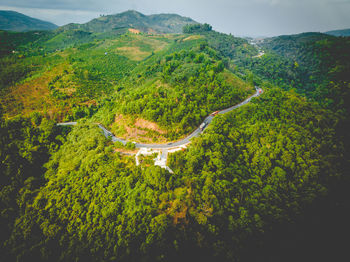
[(178, 143), (187, 139)]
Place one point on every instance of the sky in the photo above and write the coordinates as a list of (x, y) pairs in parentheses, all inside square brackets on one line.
[(239, 17)]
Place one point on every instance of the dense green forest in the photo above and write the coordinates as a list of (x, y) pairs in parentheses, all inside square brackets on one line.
[(314, 64), (25, 146), (253, 168), (265, 182)]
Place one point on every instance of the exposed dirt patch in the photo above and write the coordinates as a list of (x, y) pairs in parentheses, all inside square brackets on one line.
[(127, 152), (137, 129), (143, 123)]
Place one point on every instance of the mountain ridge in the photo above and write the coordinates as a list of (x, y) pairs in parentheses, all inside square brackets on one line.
[(340, 32), (155, 23), (18, 22)]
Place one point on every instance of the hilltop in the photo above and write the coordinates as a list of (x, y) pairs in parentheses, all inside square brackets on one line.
[(158, 23), (343, 32), (14, 21)]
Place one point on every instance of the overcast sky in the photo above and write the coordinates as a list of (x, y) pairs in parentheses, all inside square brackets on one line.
[(239, 17)]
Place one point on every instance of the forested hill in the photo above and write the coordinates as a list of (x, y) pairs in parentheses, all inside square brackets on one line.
[(290, 45), (158, 23), (70, 194), (14, 21), (343, 32), (315, 64)]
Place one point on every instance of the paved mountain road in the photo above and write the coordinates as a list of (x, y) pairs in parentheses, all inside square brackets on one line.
[(178, 143)]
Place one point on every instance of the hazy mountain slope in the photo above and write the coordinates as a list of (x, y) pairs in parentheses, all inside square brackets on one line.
[(315, 64), (290, 45), (14, 21), (318, 55), (160, 23), (343, 32)]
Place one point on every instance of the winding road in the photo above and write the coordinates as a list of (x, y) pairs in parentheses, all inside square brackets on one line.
[(178, 143)]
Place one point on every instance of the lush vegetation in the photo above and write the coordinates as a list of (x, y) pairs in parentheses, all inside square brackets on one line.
[(270, 169), (228, 46), (25, 146), (179, 91), (196, 28), (254, 167), (316, 65), (259, 166)]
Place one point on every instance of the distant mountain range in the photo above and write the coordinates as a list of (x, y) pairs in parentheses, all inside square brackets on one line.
[(343, 32), (14, 21), (160, 23)]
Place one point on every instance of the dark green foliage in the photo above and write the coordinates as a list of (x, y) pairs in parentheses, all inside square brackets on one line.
[(25, 145), (20, 55), (229, 46), (14, 21), (252, 168), (196, 28), (317, 65), (130, 145), (11, 42), (258, 166), (12, 69), (282, 72), (79, 112), (95, 207)]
